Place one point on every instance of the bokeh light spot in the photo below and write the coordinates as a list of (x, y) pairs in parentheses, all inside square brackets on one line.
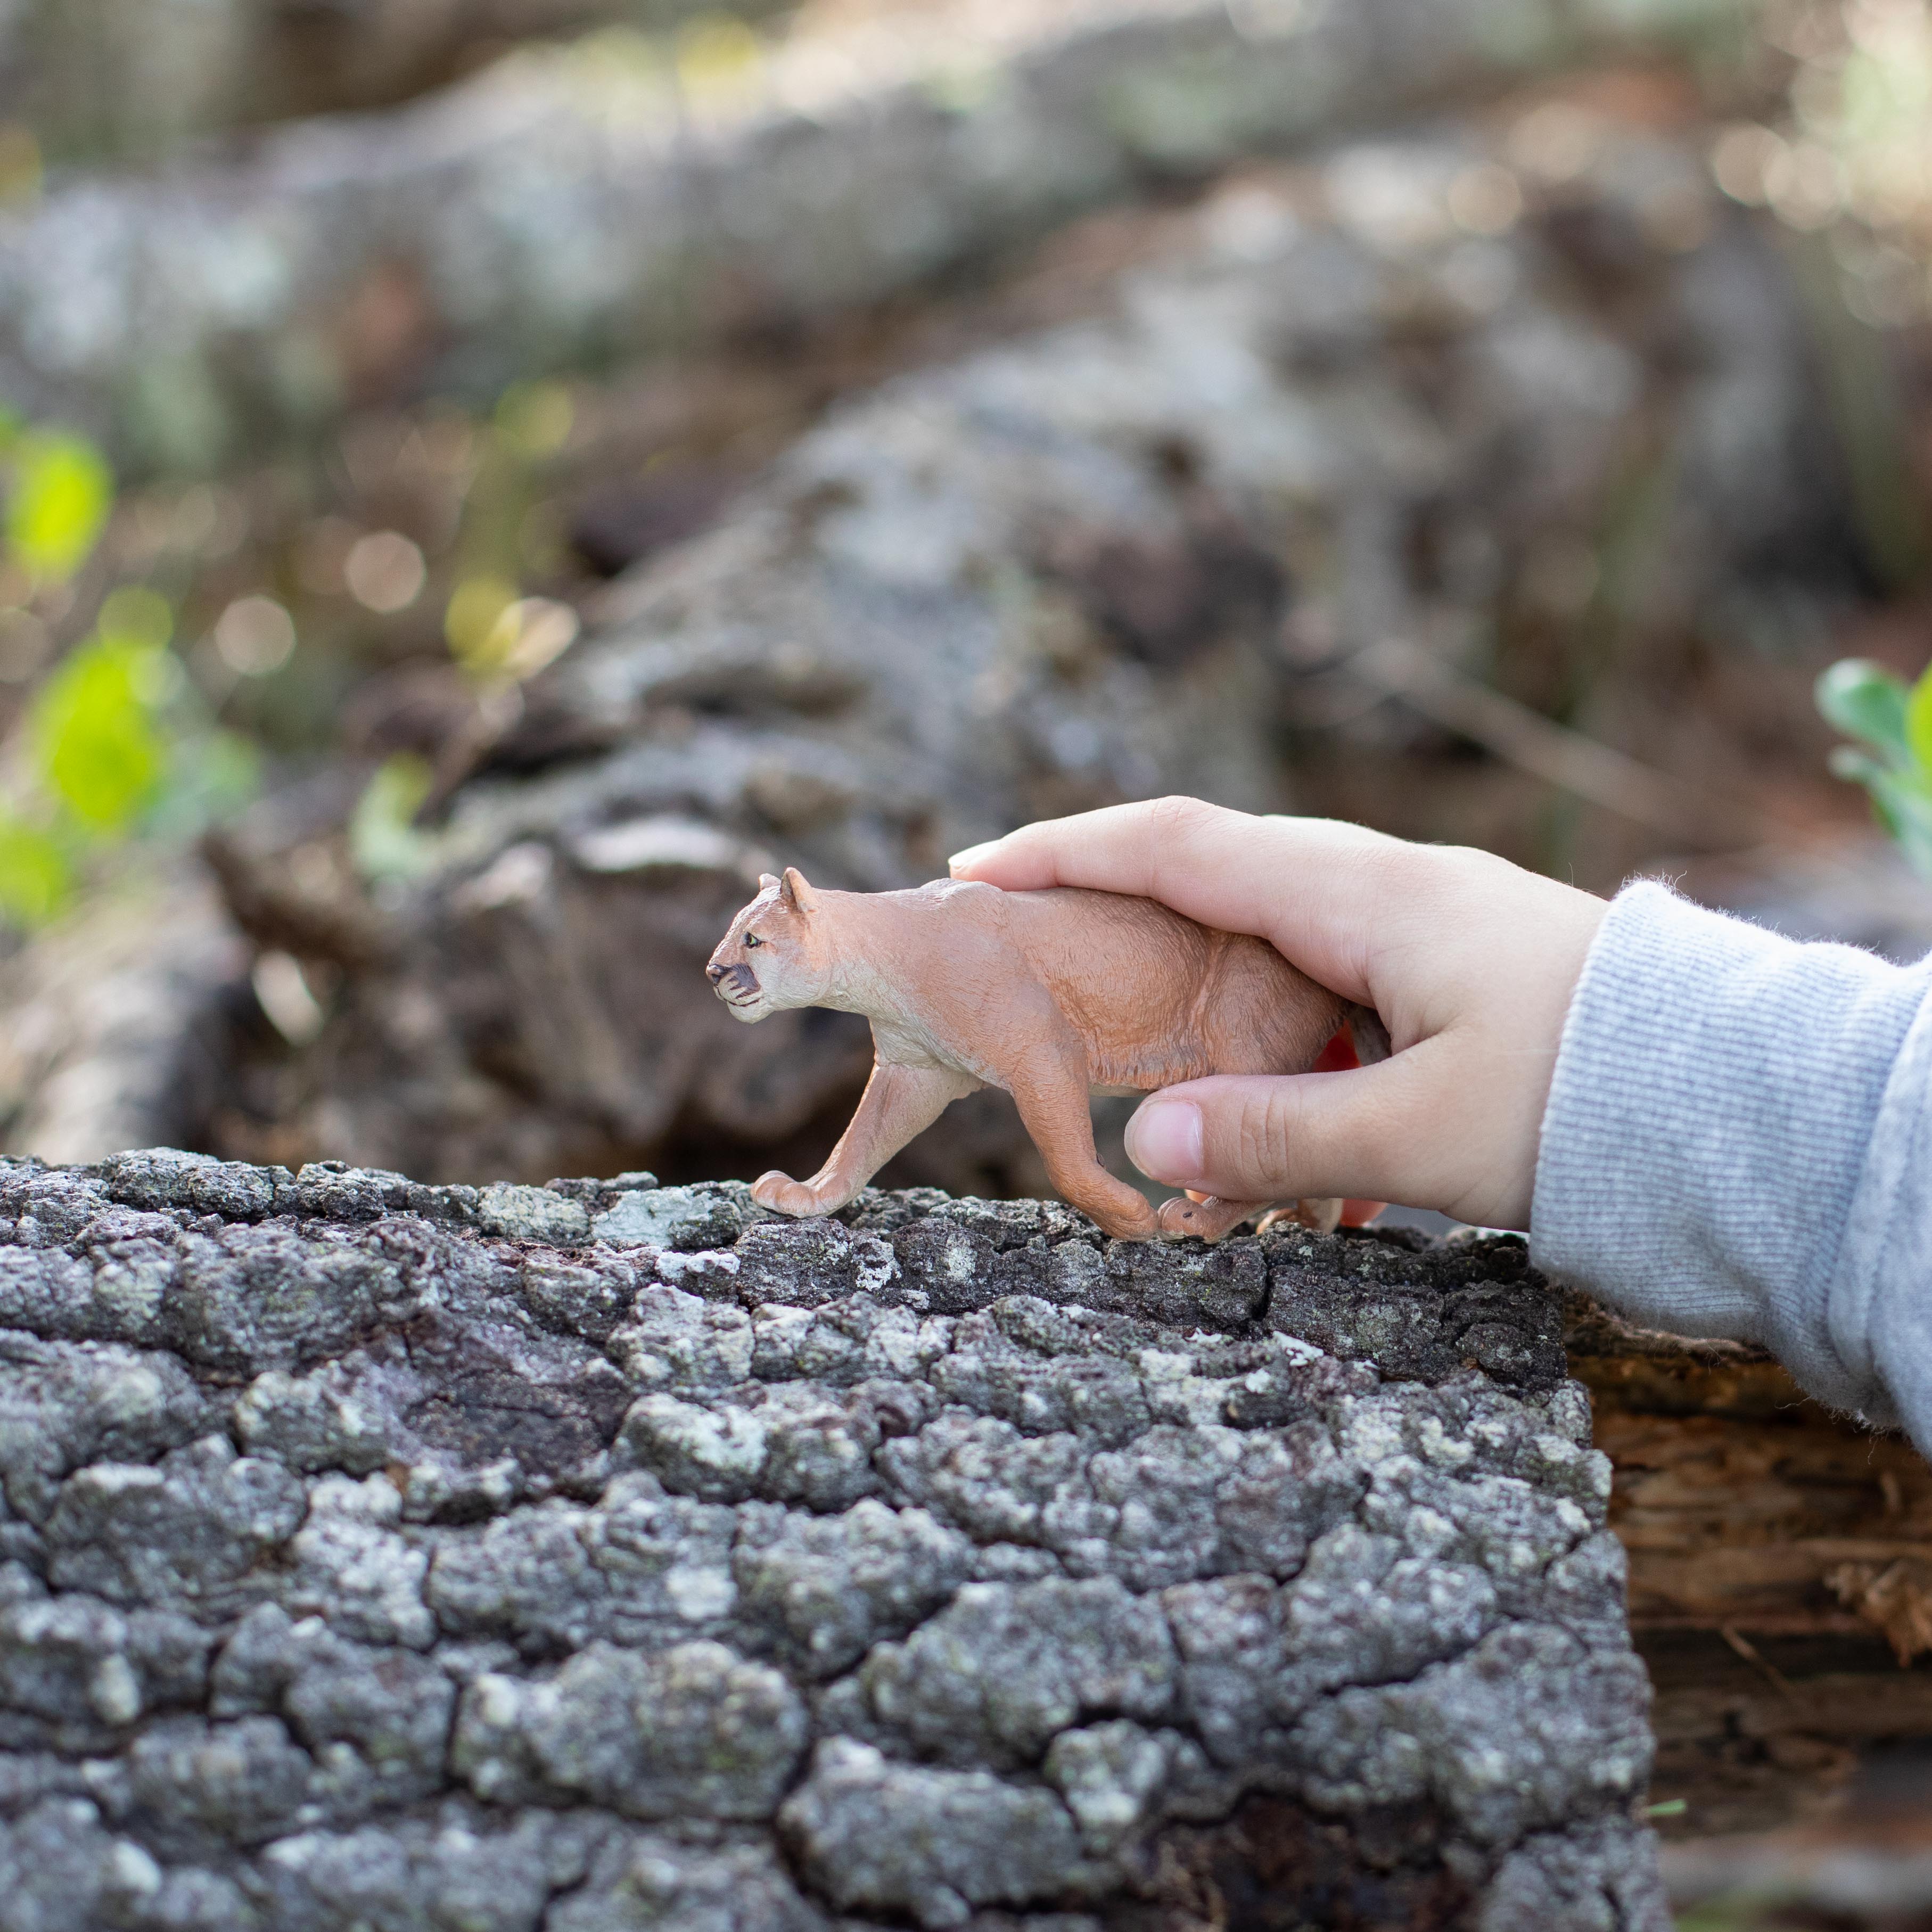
[(1740, 158), (385, 572), (1557, 141), (255, 637), (1804, 185)]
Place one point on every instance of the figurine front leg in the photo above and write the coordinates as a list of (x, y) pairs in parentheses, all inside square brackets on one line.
[(898, 1103), (1050, 1089)]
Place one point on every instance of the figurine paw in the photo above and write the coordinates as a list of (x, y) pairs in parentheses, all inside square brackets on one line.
[(784, 1196), (1180, 1217), (1324, 1215), (1320, 1216)]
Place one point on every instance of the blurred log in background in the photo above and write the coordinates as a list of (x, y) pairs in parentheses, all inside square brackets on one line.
[(120, 79)]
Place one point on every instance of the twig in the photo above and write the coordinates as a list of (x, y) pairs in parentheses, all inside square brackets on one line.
[(1526, 739), (1752, 1655)]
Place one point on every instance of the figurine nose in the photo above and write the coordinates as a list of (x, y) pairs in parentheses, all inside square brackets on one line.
[(715, 973)]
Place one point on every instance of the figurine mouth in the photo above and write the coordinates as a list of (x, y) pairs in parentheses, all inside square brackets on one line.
[(737, 985)]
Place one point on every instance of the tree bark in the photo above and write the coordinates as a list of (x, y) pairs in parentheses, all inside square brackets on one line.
[(598, 1555)]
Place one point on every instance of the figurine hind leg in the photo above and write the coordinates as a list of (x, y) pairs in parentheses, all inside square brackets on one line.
[(1254, 1031), (1051, 1094), (1318, 1216), (898, 1103)]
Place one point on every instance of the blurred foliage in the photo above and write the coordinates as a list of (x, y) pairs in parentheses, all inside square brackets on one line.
[(98, 744), (1844, 161), (383, 840), (1893, 721), (1851, 152), (497, 635), (62, 496), (113, 743)]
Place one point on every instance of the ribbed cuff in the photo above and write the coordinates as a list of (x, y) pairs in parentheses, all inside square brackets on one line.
[(1714, 1102), (1880, 1299)]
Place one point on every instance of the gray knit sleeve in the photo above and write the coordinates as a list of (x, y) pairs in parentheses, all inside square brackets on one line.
[(1738, 1142)]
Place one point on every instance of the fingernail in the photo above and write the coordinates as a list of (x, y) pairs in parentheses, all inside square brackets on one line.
[(1164, 1141), (972, 855)]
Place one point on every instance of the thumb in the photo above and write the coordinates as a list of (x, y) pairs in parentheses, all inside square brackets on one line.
[(1251, 1137)]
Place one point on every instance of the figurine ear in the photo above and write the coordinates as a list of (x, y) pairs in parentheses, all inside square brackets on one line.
[(797, 892), (767, 881)]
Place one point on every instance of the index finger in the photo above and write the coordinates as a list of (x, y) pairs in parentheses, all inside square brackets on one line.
[(1314, 888)]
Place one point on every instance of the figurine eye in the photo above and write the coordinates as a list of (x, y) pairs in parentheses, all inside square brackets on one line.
[(751, 939)]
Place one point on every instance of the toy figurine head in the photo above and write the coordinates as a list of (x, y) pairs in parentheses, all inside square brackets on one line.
[(775, 955)]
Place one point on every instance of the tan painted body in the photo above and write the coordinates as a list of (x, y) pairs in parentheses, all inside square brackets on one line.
[(1051, 995)]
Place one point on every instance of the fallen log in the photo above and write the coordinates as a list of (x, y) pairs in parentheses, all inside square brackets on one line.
[(1107, 561), (601, 1555), (113, 1025), (1781, 1572), (567, 208)]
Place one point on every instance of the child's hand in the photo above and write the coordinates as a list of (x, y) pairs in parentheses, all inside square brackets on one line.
[(1470, 961)]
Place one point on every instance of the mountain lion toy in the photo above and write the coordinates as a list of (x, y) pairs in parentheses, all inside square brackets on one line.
[(1052, 995)]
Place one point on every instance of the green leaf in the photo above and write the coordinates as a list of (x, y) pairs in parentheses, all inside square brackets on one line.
[(34, 878), (382, 840), (95, 739), (1858, 767), (63, 494), (1854, 766), (1904, 807), (1864, 700), (1918, 723)]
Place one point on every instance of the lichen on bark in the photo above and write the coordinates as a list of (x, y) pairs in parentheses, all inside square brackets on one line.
[(605, 1555)]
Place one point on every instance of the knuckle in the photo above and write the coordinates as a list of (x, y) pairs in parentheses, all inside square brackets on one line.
[(1179, 816)]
